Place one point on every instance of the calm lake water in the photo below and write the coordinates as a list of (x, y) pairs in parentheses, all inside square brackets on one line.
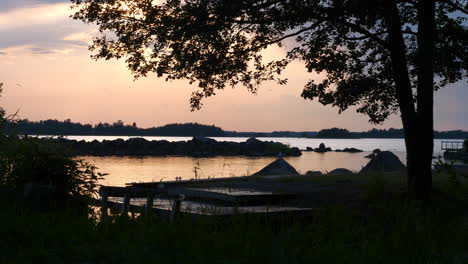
[(132, 169)]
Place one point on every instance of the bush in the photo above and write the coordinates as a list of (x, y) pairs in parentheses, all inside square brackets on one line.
[(45, 176), (44, 161)]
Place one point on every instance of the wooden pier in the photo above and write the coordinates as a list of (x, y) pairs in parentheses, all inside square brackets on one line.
[(454, 150), (175, 195)]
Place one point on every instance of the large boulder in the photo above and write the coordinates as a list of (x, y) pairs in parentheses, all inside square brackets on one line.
[(277, 167), (313, 173), (322, 148), (351, 150), (373, 154), (203, 140), (340, 171), (383, 161)]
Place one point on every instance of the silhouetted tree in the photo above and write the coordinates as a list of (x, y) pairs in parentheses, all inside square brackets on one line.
[(378, 55), (2, 111), (335, 133)]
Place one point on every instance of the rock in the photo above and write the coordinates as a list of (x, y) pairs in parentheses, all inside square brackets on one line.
[(340, 171), (338, 150), (309, 149), (136, 140), (253, 141), (384, 161), (277, 167), (351, 150), (255, 147), (322, 148), (313, 173), (203, 140), (294, 151), (374, 152)]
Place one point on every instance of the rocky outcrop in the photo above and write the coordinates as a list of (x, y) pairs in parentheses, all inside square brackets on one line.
[(373, 154), (277, 167), (322, 148), (352, 150), (340, 171), (313, 173), (383, 161), (197, 147)]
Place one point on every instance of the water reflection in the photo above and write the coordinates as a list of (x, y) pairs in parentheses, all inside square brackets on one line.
[(132, 169)]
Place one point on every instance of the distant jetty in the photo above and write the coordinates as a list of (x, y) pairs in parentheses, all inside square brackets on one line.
[(197, 147)]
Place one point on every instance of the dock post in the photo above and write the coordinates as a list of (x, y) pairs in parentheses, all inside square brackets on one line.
[(104, 196), (175, 209), (125, 203), (149, 203)]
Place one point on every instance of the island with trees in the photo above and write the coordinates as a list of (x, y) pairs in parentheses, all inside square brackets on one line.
[(53, 127)]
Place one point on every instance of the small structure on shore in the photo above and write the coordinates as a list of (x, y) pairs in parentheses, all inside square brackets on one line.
[(277, 167), (455, 150), (383, 161)]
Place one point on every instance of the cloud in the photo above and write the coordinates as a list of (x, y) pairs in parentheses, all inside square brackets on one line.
[(41, 51), (3, 53), (6, 5), (42, 28)]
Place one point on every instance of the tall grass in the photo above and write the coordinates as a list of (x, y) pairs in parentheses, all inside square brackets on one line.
[(392, 232)]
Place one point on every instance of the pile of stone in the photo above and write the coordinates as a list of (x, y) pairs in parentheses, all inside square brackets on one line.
[(278, 167), (383, 161)]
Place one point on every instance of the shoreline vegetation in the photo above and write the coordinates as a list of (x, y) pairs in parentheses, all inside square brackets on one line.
[(118, 128), (356, 219)]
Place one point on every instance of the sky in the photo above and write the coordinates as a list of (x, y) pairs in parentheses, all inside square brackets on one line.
[(48, 74)]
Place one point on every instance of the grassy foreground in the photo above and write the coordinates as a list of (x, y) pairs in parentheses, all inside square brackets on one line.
[(391, 231)]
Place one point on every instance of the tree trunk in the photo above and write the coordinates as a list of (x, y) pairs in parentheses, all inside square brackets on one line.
[(417, 124), (420, 184)]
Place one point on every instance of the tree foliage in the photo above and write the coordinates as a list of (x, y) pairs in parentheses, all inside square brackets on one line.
[(219, 43)]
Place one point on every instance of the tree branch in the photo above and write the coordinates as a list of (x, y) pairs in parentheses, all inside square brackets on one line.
[(456, 6), (267, 43), (366, 33)]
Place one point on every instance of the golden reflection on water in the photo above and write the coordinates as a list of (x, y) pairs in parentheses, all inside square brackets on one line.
[(133, 169)]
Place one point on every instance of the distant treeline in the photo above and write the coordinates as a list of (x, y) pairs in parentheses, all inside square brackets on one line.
[(385, 133), (55, 127), (118, 128)]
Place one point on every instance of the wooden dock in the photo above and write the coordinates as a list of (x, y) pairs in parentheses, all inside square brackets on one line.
[(454, 150), (179, 197)]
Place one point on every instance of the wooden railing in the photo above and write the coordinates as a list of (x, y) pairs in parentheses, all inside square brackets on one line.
[(452, 145), (176, 194)]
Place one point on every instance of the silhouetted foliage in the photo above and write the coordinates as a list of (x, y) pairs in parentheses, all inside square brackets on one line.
[(379, 56), (2, 111), (334, 133), (45, 161), (56, 127)]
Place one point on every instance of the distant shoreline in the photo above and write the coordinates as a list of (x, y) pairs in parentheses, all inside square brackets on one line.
[(69, 128), (190, 136)]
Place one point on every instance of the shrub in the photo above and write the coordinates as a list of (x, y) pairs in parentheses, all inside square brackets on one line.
[(72, 183), (44, 161)]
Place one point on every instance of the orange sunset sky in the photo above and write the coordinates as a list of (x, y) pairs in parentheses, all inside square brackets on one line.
[(48, 73)]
